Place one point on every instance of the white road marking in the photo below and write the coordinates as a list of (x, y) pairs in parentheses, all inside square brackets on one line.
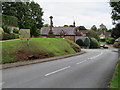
[(81, 62), (57, 71)]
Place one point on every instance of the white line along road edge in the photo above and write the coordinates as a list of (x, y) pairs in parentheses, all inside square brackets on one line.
[(57, 71)]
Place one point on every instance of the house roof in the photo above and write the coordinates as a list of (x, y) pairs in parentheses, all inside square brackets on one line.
[(58, 30), (118, 40)]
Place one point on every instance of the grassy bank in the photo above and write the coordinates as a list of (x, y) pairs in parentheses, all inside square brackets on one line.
[(116, 79), (18, 50)]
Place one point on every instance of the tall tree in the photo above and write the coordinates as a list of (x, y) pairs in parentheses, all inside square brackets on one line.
[(94, 28), (102, 27), (116, 18), (29, 14)]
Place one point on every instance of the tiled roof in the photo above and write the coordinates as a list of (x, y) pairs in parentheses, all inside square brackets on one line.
[(58, 30)]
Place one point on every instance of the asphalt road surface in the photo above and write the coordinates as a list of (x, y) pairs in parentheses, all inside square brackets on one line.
[(91, 70)]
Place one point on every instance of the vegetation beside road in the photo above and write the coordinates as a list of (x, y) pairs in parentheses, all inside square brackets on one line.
[(38, 48), (115, 82)]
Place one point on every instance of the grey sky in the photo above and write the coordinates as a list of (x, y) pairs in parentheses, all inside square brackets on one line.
[(83, 13)]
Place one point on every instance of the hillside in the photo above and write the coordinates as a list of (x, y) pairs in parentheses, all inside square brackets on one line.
[(38, 48)]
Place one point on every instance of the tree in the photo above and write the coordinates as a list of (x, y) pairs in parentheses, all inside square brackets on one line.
[(29, 14), (94, 28), (102, 27), (93, 34), (82, 28), (115, 11), (46, 25), (116, 18), (116, 31)]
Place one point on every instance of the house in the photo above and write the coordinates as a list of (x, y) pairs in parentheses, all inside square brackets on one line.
[(70, 33)]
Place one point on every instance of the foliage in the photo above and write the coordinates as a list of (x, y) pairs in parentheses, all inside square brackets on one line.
[(94, 43), (87, 41), (116, 17), (82, 28), (102, 28), (7, 36), (37, 33), (80, 42), (6, 29), (115, 11), (116, 31), (94, 28), (66, 26), (29, 14), (93, 34), (15, 31), (9, 20), (55, 46), (46, 25), (116, 45), (110, 40)]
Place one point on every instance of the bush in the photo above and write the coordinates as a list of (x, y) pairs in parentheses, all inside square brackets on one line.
[(103, 40), (80, 42), (116, 45), (110, 40), (6, 29), (87, 41), (15, 31), (7, 36), (94, 43)]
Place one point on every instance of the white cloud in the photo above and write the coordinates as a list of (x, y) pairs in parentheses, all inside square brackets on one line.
[(84, 13)]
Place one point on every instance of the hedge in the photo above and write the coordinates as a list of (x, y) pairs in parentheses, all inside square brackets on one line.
[(87, 41), (80, 42), (94, 43)]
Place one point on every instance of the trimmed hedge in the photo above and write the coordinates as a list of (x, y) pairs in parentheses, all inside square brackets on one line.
[(9, 20), (87, 41), (94, 43), (80, 42)]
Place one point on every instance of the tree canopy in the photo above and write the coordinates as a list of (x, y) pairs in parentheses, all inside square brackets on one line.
[(94, 28), (29, 14), (116, 18)]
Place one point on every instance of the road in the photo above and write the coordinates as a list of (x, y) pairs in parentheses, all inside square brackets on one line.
[(91, 70)]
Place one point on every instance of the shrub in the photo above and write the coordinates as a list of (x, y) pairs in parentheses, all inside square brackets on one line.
[(116, 45), (6, 29), (80, 42), (7, 36), (94, 43), (87, 41), (110, 40), (103, 40), (15, 31)]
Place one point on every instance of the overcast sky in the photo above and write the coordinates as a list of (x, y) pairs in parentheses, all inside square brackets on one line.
[(85, 13)]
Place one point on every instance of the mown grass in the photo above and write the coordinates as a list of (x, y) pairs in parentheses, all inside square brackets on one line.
[(55, 46), (116, 79)]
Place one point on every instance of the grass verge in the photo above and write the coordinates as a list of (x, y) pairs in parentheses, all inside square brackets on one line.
[(115, 83), (38, 48)]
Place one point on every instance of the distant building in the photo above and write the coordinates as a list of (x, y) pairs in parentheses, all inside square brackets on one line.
[(70, 33)]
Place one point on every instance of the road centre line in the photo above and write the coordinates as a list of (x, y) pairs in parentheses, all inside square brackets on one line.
[(81, 62), (57, 71)]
